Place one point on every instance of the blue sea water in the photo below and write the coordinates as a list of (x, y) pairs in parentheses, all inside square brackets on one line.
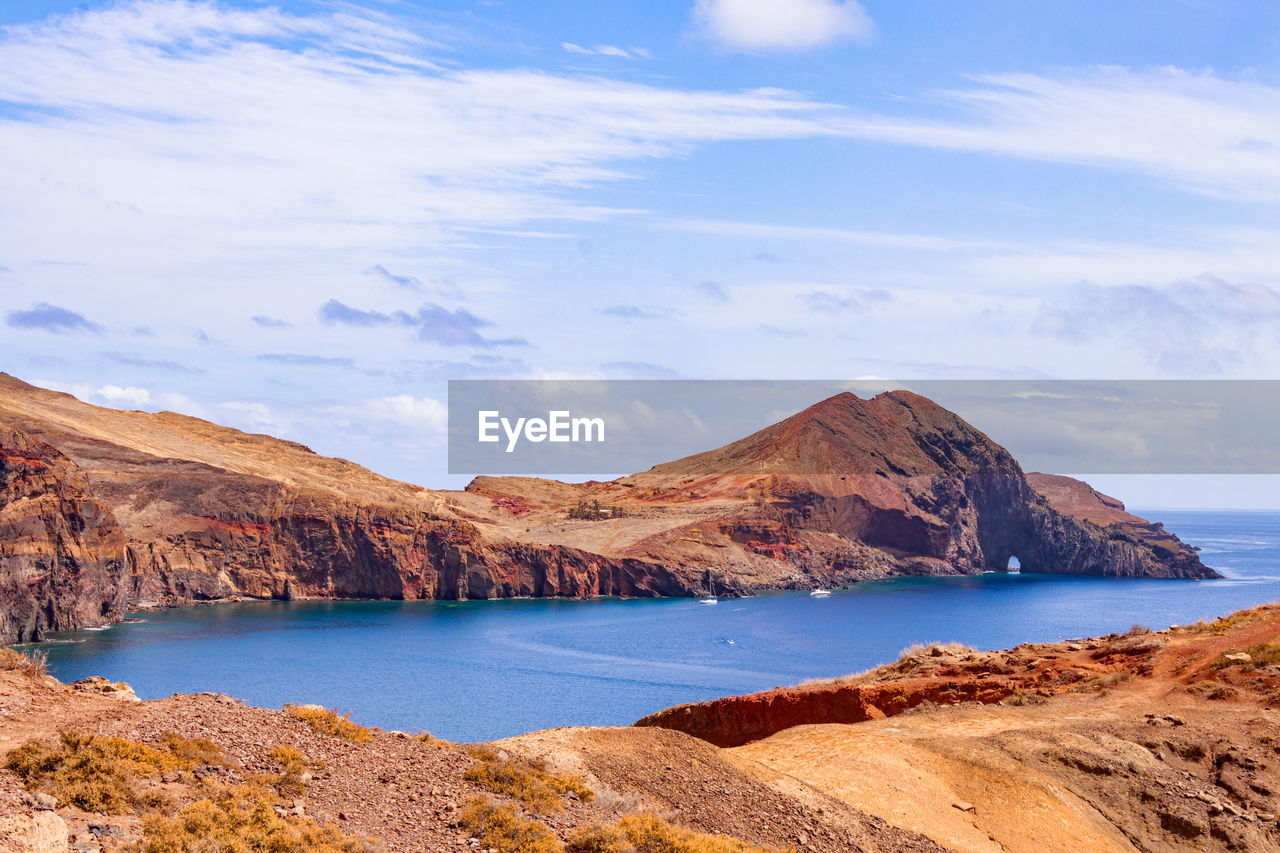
[(480, 670)]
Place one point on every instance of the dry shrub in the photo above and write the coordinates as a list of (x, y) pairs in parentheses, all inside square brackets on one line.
[(531, 785), (240, 819), (1232, 620), (294, 770), (612, 801), (503, 828), (331, 723), (1263, 654), (33, 664), (598, 838), (651, 834), (96, 774), (196, 750)]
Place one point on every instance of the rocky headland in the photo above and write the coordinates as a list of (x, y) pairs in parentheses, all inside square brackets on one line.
[(103, 510)]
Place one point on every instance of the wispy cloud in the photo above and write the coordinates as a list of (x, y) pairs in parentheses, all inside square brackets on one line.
[(1198, 326), (303, 360), (844, 299), (50, 318), (270, 322), (431, 323), (191, 149), (760, 25), (606, 50), (454, 328), (637, 370), (130, 360), (407, 282), (712, 290), (636, 312), (777, 331), (334, 311), (1197, 130)]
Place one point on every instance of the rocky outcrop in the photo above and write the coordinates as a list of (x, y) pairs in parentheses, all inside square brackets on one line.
[(61, 550), (736, 720)]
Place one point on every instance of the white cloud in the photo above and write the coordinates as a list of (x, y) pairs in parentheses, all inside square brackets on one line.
[(753, 25), (406, 410), (1198, 131), (1201, 326), (162, 142)]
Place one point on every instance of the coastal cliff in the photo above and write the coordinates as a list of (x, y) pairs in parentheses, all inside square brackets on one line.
[(850, 489), (61, 550), (107, 510)]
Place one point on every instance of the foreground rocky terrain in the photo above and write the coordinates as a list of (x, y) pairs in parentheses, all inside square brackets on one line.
[(103, 510), (1143, 741)]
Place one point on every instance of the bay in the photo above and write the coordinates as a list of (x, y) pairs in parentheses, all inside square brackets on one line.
[(479, 670)]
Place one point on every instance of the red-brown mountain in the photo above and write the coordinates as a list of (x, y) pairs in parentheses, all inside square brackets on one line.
[(130, 509)]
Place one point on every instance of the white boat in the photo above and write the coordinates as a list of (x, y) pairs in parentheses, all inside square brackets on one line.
[(820, 593), (710, 597)]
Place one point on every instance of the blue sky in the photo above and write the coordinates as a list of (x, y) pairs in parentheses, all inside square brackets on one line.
[(303, 218)]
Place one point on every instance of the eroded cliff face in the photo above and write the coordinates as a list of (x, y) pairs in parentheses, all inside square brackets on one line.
[(109, 509), (61, 550), (951, 495), (143, 510)]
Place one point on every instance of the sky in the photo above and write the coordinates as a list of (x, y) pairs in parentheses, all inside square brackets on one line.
[(303, 218)]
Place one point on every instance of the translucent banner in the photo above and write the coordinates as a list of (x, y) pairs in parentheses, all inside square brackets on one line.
[(613, 427)]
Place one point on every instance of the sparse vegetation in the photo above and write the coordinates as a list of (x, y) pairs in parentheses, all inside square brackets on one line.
[(1019, 698), (99, 774), (620, 804), (649, 832), (294, 770), (240, 819), (531, 785), (598, 838), (503, 828), (1234, 620), (33, 664), (908, 659), (592, 511), (105, 775), (331, 723), (1263, 654)]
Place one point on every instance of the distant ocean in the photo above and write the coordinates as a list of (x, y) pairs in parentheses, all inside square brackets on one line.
[(480, 670)]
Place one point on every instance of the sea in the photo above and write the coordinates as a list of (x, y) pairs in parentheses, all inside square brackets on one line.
[(479, 670)]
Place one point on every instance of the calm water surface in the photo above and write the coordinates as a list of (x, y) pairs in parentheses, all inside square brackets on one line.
[(479, 670)]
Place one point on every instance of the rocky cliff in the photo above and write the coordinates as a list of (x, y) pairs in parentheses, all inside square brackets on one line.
[(131, 509), (61, 550), (146, 510)]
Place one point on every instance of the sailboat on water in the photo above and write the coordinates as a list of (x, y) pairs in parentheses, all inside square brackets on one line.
[(710, 597)]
